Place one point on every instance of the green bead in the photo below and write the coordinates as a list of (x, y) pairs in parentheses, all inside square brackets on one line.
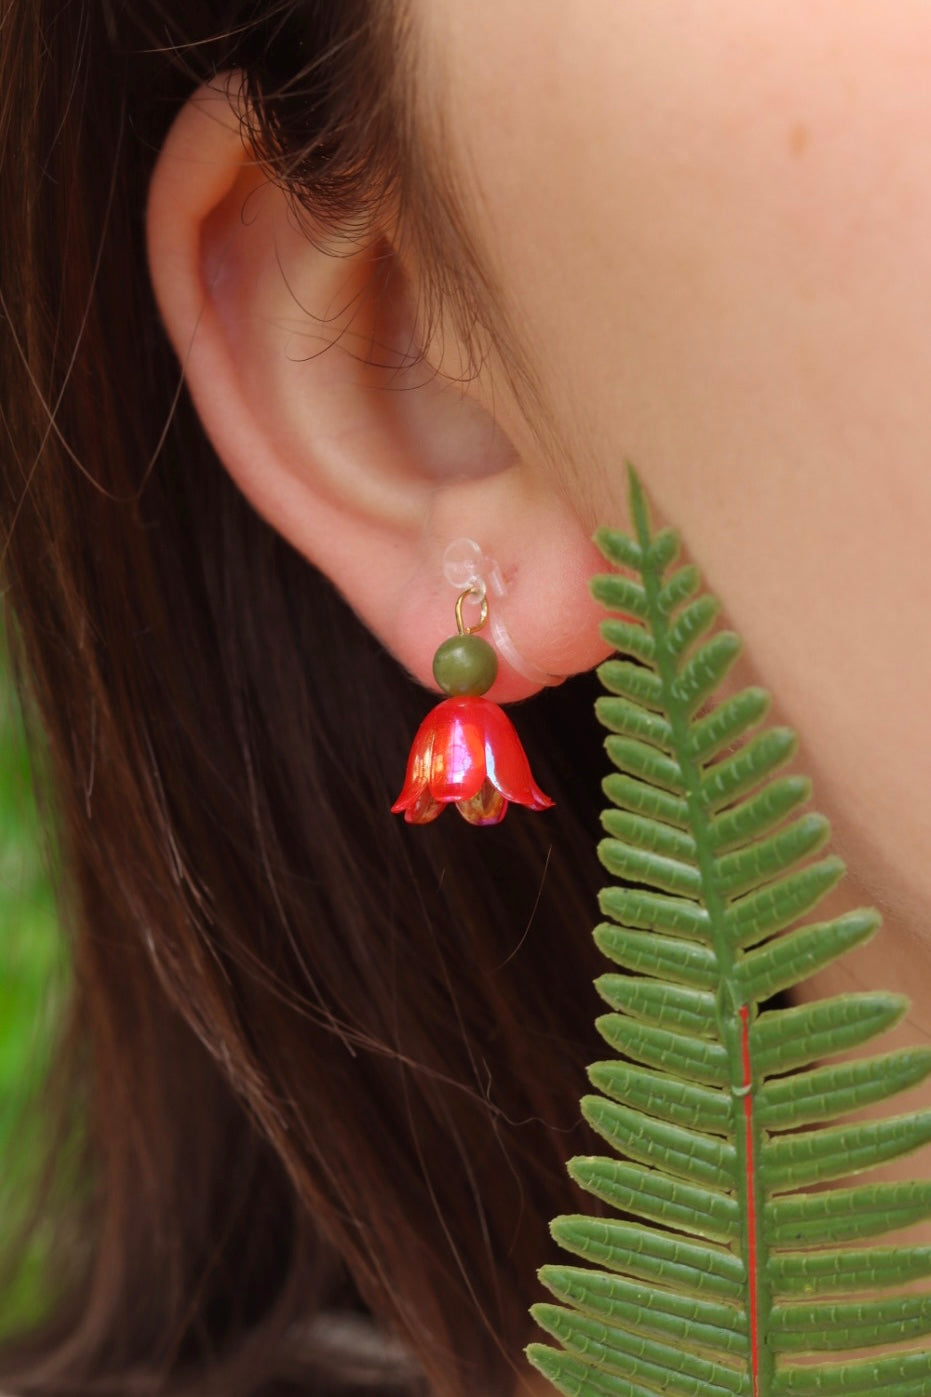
[(465, 664)]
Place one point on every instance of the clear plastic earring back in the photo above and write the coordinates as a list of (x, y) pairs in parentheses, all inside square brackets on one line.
[(467, 567)]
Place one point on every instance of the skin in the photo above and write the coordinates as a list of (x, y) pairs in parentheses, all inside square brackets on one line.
[(712, 228)]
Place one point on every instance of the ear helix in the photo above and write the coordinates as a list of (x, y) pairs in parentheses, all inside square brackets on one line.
[(466, 752)]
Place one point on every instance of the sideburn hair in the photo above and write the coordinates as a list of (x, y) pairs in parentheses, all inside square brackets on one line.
[(318, 1075)]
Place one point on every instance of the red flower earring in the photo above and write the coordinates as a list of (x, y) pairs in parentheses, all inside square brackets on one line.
[(466, 752)]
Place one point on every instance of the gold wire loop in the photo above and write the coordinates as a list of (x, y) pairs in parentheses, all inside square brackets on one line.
[(481, 598)]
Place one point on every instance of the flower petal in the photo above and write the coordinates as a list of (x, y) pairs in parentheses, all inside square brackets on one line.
[(489, 807), (418, 765), (457, 758), (506, 761), (423, 810)]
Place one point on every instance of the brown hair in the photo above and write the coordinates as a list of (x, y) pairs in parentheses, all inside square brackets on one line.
[(316, 1063)]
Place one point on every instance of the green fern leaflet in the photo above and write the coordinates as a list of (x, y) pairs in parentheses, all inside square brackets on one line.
[(728, 1261)]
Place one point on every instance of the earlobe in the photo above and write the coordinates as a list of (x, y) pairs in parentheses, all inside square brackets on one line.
[(297, 352)]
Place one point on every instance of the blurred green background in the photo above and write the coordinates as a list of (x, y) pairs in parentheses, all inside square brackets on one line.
[(33, 986)]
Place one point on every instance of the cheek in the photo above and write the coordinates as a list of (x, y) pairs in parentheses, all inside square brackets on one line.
[(737, 198), (711, 224)]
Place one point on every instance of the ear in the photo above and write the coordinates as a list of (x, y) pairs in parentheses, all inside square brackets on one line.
[(297, 351)]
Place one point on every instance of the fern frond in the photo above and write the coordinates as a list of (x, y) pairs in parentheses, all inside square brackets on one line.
[(723, 1117)]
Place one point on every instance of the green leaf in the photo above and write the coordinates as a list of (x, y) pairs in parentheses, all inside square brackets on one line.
[(694, 1268), (758, 813), (691, 623), (833, 1091), (647, 1310), (667, 1006), (638, 865), (732, 776), (788, 959), (577, 1378), (651, 835), (808, 1273), (730, 720), (629, 637), (643, 799), (619, 549), (682, 585), (778, 905), (686, 1154), (813, 1156), (661, 550), (676, 915), (704, 671), (636, 1358), (629, 719), (618, 593), (782, 1039), (756, 863), (845, 1214), (719, 1267), (682, 962), (694, 1059), (846, 1325), (682, 1103), (651, 1194), (641, 760), (863, 1379), (630, 681)]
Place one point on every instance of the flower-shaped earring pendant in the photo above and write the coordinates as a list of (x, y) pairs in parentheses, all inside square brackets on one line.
[(466, 752)]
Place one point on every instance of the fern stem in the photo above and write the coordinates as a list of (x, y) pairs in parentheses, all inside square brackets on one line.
[(733, 1016), (752, 1215)]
